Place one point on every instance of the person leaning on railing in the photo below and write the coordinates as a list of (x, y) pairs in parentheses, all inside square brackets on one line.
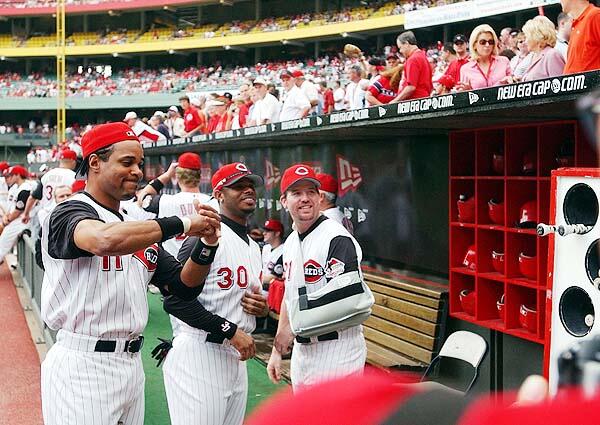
[(546, 61)]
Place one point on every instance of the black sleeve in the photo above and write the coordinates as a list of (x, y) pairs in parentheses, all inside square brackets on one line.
[(195, 315), (151, 206), (61, 231), (277, 269), (22, 199), (38, 191), (168, 275), (186, 249), (341, 258)]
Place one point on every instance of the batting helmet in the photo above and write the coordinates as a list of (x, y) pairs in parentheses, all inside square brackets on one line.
[(467, 301), (496, 211), (528, 215), (498, 261), (528, 318), (500, 307), (528, 166), (470, 260), (528, 266), (466, 209)]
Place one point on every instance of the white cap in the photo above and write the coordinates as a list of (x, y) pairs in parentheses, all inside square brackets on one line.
[(173, 108), (130, 115), (159, 113), (215, 102), (259, 80), (195, 101)]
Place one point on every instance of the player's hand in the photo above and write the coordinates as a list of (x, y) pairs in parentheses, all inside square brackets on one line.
[(283, 341), (274, 367), (206, 223), (170, 173), (255, 303), (244, 344), (5, 220), (25, 218)]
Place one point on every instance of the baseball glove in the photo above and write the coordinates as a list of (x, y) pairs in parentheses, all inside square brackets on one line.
[(352, 51), (161, 350)]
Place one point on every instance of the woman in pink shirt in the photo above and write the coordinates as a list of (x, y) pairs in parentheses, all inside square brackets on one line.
[(546, 62), (486, 68)]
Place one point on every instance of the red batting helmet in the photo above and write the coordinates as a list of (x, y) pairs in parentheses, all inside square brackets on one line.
[(528, 318), (528, 215), (496, 211), (466, 209), (498, 261), (470, 260), (528, 266), (498, 162), (528, 166), (500, 307), (467, 301)]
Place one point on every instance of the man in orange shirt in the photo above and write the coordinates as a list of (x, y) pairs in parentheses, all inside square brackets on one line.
[(584, 43)]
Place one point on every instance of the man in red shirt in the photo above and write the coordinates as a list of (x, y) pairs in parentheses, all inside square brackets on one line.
[(219, 118), (462, 57), (328, 101), (244, 109), (194, 121), (416, 81), (584, 43)]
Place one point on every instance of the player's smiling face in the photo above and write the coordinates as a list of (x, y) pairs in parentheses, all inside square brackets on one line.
[(122, 172), (239, 198), (302, 201)]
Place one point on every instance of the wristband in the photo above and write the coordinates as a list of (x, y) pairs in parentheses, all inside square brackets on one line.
[(210, 244), (157, 185), (187, 223), (170, 226), (227, 328), (203, 254)]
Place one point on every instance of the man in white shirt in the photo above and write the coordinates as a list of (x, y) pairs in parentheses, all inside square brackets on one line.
[(296, 105), (267, 108), (308, 88), (143, 131), (563, 34), (355, 90), (175, 123), (338, 96)]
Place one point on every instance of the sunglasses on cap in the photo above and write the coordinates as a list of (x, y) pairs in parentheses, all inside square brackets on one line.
[(484, 42)]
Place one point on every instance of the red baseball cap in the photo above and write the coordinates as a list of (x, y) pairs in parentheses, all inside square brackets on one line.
[(78, 186), (190, 161), (328, 183), (275, 225), (231, 173), (296, 173), (447, 81), (68, 154), (18, 170), (298, 74), (104, 135), (4, 166)]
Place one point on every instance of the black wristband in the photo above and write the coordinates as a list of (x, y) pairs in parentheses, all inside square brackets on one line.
[(226, 328), (170, 226), (203, 254), (157, 185)]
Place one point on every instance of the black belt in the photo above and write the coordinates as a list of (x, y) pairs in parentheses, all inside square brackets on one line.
[(325, 337), (215, 339), (131, 346)]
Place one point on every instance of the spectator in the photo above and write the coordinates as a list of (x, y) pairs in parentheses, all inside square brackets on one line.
[(448, 53), (486, 68), (392, 60), (584, 42), (385, 88), (328, 100), (512, 41), (267, 108), (355, 95), (234, 110), (462, 57), (541, 38), (244, 108), (193, 120), (375, 67), (564, 22), (296, 105), (219, 116), (504, 42), (507, 53), (521, 61), (157, 123), (308, 88), (175, 123), (30, 156), (142, 130), (416, 79), (445, 84), (338, 96)]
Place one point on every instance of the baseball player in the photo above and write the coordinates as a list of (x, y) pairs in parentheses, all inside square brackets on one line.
[(98, 264), (12, 226), (3, 188), (204, 373), (328, 251), (328, 191), (43, 194), (272, 253)]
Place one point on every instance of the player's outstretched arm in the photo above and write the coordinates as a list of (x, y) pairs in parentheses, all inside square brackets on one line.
[(284, 335)]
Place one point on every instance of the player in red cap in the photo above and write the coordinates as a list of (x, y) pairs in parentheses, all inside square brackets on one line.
[(328, 191), (43, 194), (272, 251), (215, 328), (3, 188), (12, 226), (98, 264), (316, 253)]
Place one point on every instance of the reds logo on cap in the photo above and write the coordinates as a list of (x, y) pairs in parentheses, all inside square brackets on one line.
[(301, 171), (241, 167), (228, 174)]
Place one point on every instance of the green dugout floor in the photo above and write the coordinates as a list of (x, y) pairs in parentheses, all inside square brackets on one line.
[(157, 413)]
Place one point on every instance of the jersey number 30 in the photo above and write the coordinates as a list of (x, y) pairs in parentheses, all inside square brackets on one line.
[(228, 279)]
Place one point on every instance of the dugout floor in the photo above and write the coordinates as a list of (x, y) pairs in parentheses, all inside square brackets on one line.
[(20, 402)]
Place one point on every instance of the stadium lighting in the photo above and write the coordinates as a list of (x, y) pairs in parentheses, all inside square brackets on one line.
[(353, 35), (169, 8), (227, 47), (344, 34), (292, 43), (226, 2), (114, 13), (2, 58), (170, 51), (115, 55)]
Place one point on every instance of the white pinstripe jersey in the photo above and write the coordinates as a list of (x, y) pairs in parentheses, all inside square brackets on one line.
[(97, 296), (181, 205), (235, 270), (51, 180)]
